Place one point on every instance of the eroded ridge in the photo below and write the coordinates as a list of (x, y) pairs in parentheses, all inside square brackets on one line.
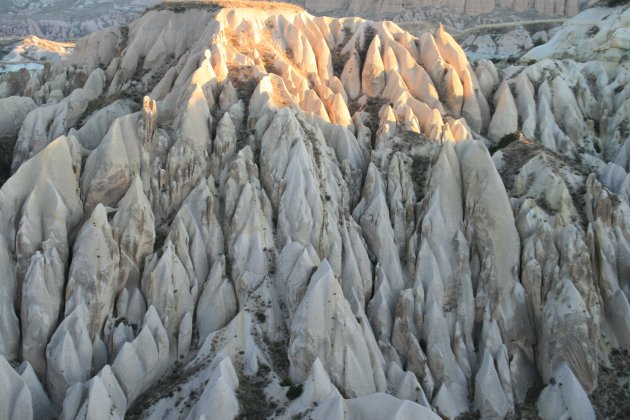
[(228, 210)]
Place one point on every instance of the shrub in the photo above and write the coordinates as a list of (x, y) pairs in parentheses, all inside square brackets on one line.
[(593, 31), (538, 42), (295, 391), (505, 141)]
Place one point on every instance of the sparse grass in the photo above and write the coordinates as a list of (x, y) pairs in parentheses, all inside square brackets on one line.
[(279, 94), (519, 152), (171, 382), (254, 403), (371, 108), (527, 409), (611, 399)]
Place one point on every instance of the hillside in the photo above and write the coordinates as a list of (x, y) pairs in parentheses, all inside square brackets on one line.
[(232, 209), (67, 20)]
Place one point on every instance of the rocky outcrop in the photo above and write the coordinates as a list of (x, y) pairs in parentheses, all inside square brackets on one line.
[(554, 400), (505, 119), (20, 22), (334, 336), (45, 124), (470, 7), (596, 26), (24, 396), (94, 271), (14, 110), (303, 219)]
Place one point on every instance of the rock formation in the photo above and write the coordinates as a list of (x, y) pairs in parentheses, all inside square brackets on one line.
[(389, 8), (237, 208)]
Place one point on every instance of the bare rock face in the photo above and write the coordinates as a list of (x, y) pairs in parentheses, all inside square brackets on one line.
[(17, 400), (291, 216), (94, 269), (69, 354), (553, 400), (505, 119), (42, 299), (470, 7), (312, 332), (478, 7), (42, 125), (14, 110)]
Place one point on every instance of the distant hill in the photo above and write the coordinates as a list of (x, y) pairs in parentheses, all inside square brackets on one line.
[(71, 19)]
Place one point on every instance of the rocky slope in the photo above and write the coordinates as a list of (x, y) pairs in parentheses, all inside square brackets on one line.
[(64, 20), (70, 19), (31, 54), (508, 41), (227, 209), (469, 7)]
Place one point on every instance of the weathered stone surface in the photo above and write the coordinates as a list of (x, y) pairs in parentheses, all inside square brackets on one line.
[(312, 199)]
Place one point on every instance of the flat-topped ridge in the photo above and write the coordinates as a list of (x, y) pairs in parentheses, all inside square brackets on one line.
[(181, 5)]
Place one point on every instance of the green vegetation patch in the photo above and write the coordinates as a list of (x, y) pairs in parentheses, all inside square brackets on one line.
[(295, 391), (505, 141)]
